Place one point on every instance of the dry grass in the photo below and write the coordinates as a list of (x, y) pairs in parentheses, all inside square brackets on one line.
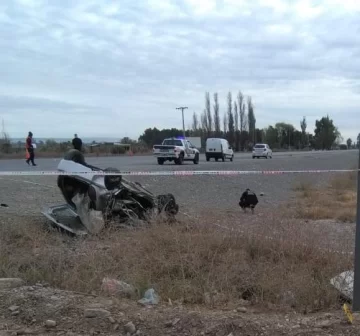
[(336, 201), (191, 261)]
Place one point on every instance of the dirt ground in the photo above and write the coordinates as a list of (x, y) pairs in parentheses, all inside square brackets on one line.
[(41, 310)]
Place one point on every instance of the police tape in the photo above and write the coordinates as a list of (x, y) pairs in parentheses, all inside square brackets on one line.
[(176, 172)]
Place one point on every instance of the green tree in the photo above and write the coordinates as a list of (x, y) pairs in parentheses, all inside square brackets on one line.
[(303, 126), (225, 124), (231, 125), (127, 141), (195, 122), (297, 139), (196, 129), (208, 113), (242, 110), (326, 133), (311, 140), (237, 133), (243, 134), (271, 137), (251, 120), (285, 134), (153, 136), (217, 122), (205, 123), (259, 135)]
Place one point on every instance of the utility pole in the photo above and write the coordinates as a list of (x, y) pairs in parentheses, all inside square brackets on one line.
[(182, 108)]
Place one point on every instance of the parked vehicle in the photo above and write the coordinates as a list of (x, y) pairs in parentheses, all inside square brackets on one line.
[(177, 150), (262, 150), (218, 148)]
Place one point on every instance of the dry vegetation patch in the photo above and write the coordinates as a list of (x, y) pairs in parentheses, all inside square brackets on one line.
[(335, 201), (191, 261)]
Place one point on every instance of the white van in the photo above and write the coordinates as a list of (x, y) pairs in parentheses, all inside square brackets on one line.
[(218, 148)]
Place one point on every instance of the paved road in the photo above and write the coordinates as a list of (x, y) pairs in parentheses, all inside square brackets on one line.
[(192, 192), (242, 161)]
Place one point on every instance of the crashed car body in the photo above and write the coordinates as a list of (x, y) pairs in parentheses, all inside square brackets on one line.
[(93, 201)]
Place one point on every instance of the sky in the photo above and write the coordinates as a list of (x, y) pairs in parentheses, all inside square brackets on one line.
[(114, 68)]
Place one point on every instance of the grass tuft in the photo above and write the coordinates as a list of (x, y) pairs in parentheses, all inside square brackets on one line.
[(336, 201), (193, 262)]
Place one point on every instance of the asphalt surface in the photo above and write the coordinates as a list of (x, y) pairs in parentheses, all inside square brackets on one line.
[(27, 195), (242, 161)]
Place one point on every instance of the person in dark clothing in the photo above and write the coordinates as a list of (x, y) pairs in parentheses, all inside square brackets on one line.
[(76, 156), (77, 143), (248, 200), (30, 155)]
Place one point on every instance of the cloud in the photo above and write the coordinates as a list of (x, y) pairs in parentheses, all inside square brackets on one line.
[(107, 65)]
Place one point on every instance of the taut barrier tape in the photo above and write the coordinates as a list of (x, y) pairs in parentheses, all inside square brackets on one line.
[(177, 172)]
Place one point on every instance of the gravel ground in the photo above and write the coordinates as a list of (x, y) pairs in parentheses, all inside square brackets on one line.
[(39, 310)]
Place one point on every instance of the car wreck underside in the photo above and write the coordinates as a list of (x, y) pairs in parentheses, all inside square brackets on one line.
[(93, 202)]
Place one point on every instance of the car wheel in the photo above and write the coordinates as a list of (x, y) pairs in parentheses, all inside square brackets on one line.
[(160, 161), (216, 159), (180, 160), (207, 158), (232, 158), (196, 160), (253, 157), (223, 158)]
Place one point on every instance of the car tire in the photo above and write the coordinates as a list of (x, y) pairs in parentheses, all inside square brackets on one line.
[(223, 158), (253, 157), (207, 158), (160, 161), (196, 159), (232, 158), (216, 159), (180, 160)]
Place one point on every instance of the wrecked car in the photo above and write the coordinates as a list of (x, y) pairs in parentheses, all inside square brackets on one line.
[(96, 201)]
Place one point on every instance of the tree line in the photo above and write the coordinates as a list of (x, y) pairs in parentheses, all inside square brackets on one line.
[(238, 126)]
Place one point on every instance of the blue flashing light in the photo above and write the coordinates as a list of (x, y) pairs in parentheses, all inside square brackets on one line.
[(180, 137)]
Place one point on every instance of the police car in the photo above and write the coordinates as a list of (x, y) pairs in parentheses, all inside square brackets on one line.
[(177, 150)]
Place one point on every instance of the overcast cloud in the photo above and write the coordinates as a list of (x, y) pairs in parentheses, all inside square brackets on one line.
[(113, 68)]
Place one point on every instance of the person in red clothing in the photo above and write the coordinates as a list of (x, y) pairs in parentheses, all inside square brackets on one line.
[(29, 150)]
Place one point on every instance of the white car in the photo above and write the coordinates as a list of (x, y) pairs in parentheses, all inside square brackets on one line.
[(177, 150), (218, 148), (262, 150)]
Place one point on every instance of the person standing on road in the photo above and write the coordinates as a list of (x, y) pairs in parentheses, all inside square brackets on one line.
[(77, 143), (30, 155)]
